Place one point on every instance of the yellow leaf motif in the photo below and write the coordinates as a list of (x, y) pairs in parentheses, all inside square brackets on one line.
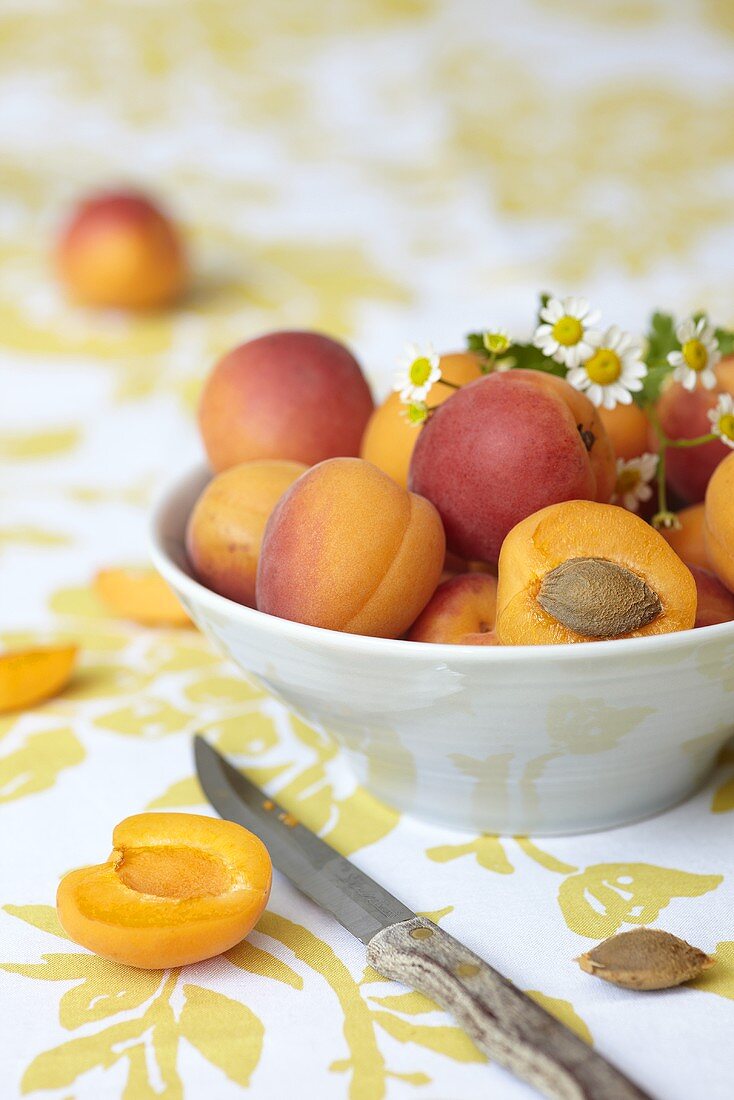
[(186, 792), (589, 725), (452, 1042), (256, 961), (62, 1065), (563, 1011), (412, 1004), (27, 535), (250, 734), (723, 800), (222, 689), (488, 851), (43, 917), (37, 765), (720, 978), (597, 902), (77, 601), (22, 446), (170, 655), (226, 1032), (145, 717)]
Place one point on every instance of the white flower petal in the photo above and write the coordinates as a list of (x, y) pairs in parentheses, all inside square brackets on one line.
[(686, 330), (689, 380), (578, 378), (707, 379), (630, 502), (595, 394), (552, 311)]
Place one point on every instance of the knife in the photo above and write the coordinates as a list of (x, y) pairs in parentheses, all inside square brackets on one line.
[(502, 1021)]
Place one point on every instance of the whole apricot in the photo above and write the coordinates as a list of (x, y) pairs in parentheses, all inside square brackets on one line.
[(389, 438), (719, 521), (347, 549), (688, 539), (715, 603), (122, 251), (580, 571), (628, 429), (226, 526), (290, 395), (683, 414), (460, 612), (177, 888), (504, 446)]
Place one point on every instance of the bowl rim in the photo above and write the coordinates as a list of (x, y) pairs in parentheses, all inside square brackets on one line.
[(400, 648)]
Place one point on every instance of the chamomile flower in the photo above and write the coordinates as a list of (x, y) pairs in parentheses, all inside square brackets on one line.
[(699, 353), (496, 341), (722, 419), (416, 413), (567, 332), (633, 481), (613, 371), (419, 369)]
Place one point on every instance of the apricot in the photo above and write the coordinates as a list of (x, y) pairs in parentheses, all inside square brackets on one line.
[(503, 447), (177, 888), (121, 250), (582, 571), (226, 526), (389, 439), (140, 595), (688, 540), (718, 527), (715, 603), (288, 395), (628, 429), (347, 549), (683, 414), (460, 612), (28, 676)]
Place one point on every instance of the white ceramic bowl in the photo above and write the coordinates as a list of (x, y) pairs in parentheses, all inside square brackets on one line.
[(536, 739)]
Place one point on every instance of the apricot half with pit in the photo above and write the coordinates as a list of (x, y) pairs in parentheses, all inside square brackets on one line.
[(177, 888)]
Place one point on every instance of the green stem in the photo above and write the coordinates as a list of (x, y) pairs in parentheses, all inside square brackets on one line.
[(664, 442), (695, 441)]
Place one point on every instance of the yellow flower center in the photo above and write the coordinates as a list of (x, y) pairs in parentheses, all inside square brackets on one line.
[(604, 367), (420, 371), (726, 425), (627, 480), (495, 342), (567, 331), (695, 355)]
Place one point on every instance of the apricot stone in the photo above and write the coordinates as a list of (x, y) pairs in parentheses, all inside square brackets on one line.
[(122, 251), (226, 526), (460, 612), (389, 438), (503, 447), (287, 395), (719, 522), (348, 549)]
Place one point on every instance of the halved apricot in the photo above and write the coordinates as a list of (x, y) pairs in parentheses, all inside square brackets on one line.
[(140, 595), (28, 676), (177, 888), (582, 572)]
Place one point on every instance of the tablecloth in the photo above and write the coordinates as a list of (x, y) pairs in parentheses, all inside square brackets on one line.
[(385, 171)]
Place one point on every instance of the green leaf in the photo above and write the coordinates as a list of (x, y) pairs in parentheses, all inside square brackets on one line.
[(226, 1032), (725, 338), (660, 341)]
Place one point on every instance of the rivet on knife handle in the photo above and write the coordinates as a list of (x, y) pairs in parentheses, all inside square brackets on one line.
[(503, 1022)]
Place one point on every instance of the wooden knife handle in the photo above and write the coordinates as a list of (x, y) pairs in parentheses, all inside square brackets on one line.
[(504, 1023)]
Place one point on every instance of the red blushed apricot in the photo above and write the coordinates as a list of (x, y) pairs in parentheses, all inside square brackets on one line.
[(120, 250), (226, 527), (581, 572), (460, 612), (688, 540), (715, 603), (177, 888), (684, 415), (389, 438), (628, 429), (347, 549), (501, 448), (719, 521), (288, 395)]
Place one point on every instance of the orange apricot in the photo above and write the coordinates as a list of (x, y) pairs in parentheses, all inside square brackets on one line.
[(226, 526), (628, 429), (121, 250), (28, 676), (715, 603), (582, 571), (346, 548), (460, 612), (719, 522), (140, 595), (389, 438), (688, 539), (177, 888)]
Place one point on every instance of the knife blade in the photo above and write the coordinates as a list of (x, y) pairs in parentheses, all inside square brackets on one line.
[(507, 1025)]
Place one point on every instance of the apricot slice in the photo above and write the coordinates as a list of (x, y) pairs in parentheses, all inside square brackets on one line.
[(719, 522), (460, 612), (177, 888), (582, 571), (28, 676), (140, 595)]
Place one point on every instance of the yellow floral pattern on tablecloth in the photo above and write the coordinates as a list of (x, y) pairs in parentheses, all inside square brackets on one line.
[(385, 170)]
